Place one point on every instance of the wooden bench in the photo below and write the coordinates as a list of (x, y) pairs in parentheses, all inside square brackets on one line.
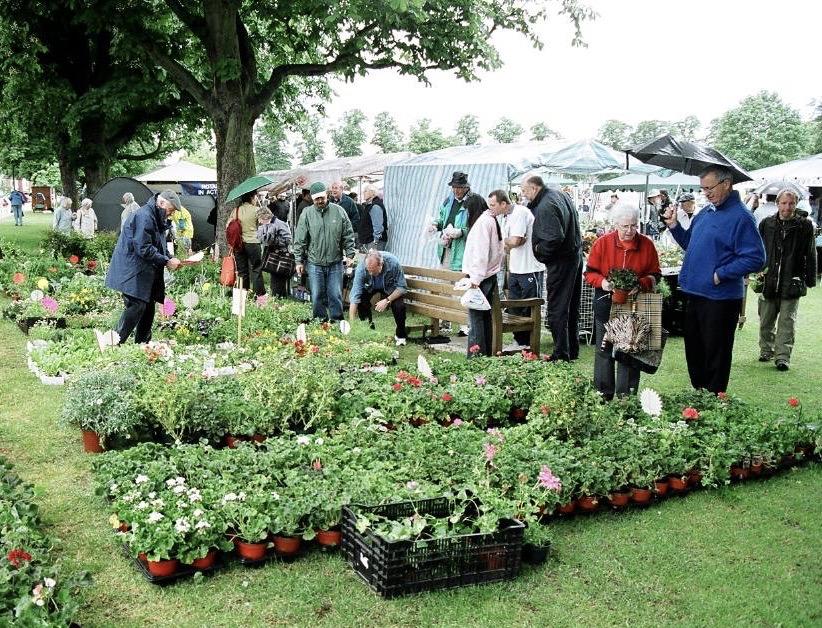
[(431, 293)]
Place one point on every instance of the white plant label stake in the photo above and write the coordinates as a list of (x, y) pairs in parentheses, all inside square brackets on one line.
[(238, 299)]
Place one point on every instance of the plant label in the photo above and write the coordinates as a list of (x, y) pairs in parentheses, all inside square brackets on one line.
[(238, 299)]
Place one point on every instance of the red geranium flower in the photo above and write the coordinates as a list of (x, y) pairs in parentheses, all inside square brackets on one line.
[(315, 349), (446, 397), (690, 414), (18, 556), (91, 264), (475, 348), (74, 259), (18, 278), (544, 409), (528, 355), (793, 402), (722, 395), (397, 386)]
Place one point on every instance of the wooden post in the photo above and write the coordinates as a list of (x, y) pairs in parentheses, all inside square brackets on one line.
[(536, 330)]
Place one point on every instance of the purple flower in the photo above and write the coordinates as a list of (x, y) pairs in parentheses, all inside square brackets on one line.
[(262, 300), (490, 451), (496, 433), (479, 380), (457, 422), (49, 304), (549, 480), (168, 308)]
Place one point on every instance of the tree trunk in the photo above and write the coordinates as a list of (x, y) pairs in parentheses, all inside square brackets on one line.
[(96, 175), (235, 159)]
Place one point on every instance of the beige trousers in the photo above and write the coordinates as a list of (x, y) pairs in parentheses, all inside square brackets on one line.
[(779, 315)]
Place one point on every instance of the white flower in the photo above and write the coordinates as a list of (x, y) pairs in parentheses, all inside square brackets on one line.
[(113, 488), (179, 480), (651, 402), (194, 496), (158, 503), (182, 526), (39, 601), (303, 440), (178, 489), (155, 516), (170, 482), (152, 495), (319, 441), (275, 495), (49, 582), (198, 513), (202, 524), (230, 497), (130, 497), (357, 450), (241, 496), (98, 401), (142, 505)]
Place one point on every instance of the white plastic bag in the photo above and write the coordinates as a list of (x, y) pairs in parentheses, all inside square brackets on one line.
[(474, 299)]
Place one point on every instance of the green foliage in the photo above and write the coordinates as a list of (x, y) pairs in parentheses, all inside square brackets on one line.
[(686, 128), (506, 131), (761, 131), (468, 131), (541, 132), (423, 138), (648, 130), (348, 136), (616, 134), (387, 133), (309, 146), (269, 145)]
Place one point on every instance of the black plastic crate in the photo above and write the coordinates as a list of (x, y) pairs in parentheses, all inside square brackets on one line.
[(402, 567)]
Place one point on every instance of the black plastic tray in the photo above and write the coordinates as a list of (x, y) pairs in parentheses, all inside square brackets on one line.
[(184, 571)]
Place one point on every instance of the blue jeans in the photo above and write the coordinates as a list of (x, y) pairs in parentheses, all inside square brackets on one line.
[(17, 210), (326, 290)]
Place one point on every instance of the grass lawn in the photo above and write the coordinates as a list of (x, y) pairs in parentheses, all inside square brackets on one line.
[(741, 555)]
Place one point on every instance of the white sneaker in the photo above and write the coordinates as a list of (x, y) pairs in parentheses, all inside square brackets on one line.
[(400, 342)]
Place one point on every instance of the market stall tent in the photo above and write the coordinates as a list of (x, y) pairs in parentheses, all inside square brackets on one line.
[(183, 177), (806, 171), (637, 182)]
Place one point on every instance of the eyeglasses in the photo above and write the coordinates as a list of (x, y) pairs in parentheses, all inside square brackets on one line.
[(627, 227), (711, 189)]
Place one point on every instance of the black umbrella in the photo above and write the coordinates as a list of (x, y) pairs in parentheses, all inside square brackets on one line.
[(686, 157)]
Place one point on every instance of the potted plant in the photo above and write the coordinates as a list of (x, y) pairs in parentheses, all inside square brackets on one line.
[(155, 538), (287, 515), (247, 517), (622, 280), (536, 545), (102, 404)]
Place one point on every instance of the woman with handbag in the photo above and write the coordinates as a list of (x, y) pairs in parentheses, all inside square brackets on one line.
[(789, 271), (626, 248), (248, 258), (275, 237)]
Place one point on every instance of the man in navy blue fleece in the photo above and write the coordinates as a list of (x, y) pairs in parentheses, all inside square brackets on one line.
[(721, 247)]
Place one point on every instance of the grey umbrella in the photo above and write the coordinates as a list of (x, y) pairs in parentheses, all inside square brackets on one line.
[(773, 187), (687, 157)]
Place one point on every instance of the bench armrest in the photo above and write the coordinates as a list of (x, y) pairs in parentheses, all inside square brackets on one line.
[(535, 302)]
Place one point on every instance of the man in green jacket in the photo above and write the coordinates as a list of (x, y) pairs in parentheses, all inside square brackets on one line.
[(325, 240)]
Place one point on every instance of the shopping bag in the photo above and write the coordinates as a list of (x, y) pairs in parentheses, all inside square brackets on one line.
[(228, 271), (474, 299)]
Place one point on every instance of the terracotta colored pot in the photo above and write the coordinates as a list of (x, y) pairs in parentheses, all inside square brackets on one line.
[(694, 478), (163, 568), (569, 508), (756, 469), (250, 551), (740, 473), (259, 438), (641, 495), (206, 562), (788, 461), (519, 413), (91, 442), (329, 538), (588, 503), (661, 487), (142, 556), (677, 484), (123, 527), (231, 441), (287, 545), (619, 296), (619, 499)]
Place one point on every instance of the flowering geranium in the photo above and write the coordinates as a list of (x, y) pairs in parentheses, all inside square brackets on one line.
[(690, 414), (18, 556), (793, 402), (457, 422), (91, 264), (49, 304), (74, 259), (548, 480), (474, 349), (446, 397), (722, 395), (480, 380), (168, 308), (490, 451), (18, 278)]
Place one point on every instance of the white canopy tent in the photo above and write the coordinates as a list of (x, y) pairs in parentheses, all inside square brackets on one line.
[(170, 176), (806, 171)]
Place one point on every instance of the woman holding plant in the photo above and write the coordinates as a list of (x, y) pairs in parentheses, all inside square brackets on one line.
[(621, 260)]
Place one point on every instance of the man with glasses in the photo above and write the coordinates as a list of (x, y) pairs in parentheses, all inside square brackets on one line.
[(721, 246)]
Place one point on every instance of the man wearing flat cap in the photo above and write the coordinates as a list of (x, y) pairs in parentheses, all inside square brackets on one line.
[(136, 268), (324, 242), (455, 217), (685, 210)]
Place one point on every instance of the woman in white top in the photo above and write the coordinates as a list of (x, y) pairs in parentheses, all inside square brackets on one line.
[(86, 220)]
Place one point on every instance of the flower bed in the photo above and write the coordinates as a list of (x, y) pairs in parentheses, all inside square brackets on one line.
[(33, 589)]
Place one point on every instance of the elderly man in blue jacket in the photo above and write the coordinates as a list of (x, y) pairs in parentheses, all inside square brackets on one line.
[(721, 246), (137, 265)]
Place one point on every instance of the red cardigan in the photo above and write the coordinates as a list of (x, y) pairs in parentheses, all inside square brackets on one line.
[(610, 252)]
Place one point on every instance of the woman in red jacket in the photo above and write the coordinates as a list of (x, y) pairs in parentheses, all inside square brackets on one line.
[(624, 247)]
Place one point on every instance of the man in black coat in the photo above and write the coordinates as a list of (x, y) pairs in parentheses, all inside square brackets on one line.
[(342, 199), (557, 243)]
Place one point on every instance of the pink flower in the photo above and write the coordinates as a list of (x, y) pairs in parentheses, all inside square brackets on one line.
[(168, 307), (49, 304), (446, 397), (549, 480), (397, 387), (262, 299), (474, 348), (479, 380), (74, 259), (496, 433), (317, 465), (18, 278), (793, 402), (690, 414), (457, 422), (544, 409), (722, 395), (490, 451)]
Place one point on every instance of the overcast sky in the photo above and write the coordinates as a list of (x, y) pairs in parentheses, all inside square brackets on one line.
[(646, 59)]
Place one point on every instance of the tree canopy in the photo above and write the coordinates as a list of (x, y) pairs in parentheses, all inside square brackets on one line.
[(506, 131), (349, 135), (423, 138), (387, 133), (468, 130)]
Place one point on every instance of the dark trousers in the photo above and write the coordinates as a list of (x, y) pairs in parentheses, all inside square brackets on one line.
[(249, 267), (524, 286), (137, 317), (627, 378), (710, 326), (563, 290), (480, 330), (279, 285), (397, 310)]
